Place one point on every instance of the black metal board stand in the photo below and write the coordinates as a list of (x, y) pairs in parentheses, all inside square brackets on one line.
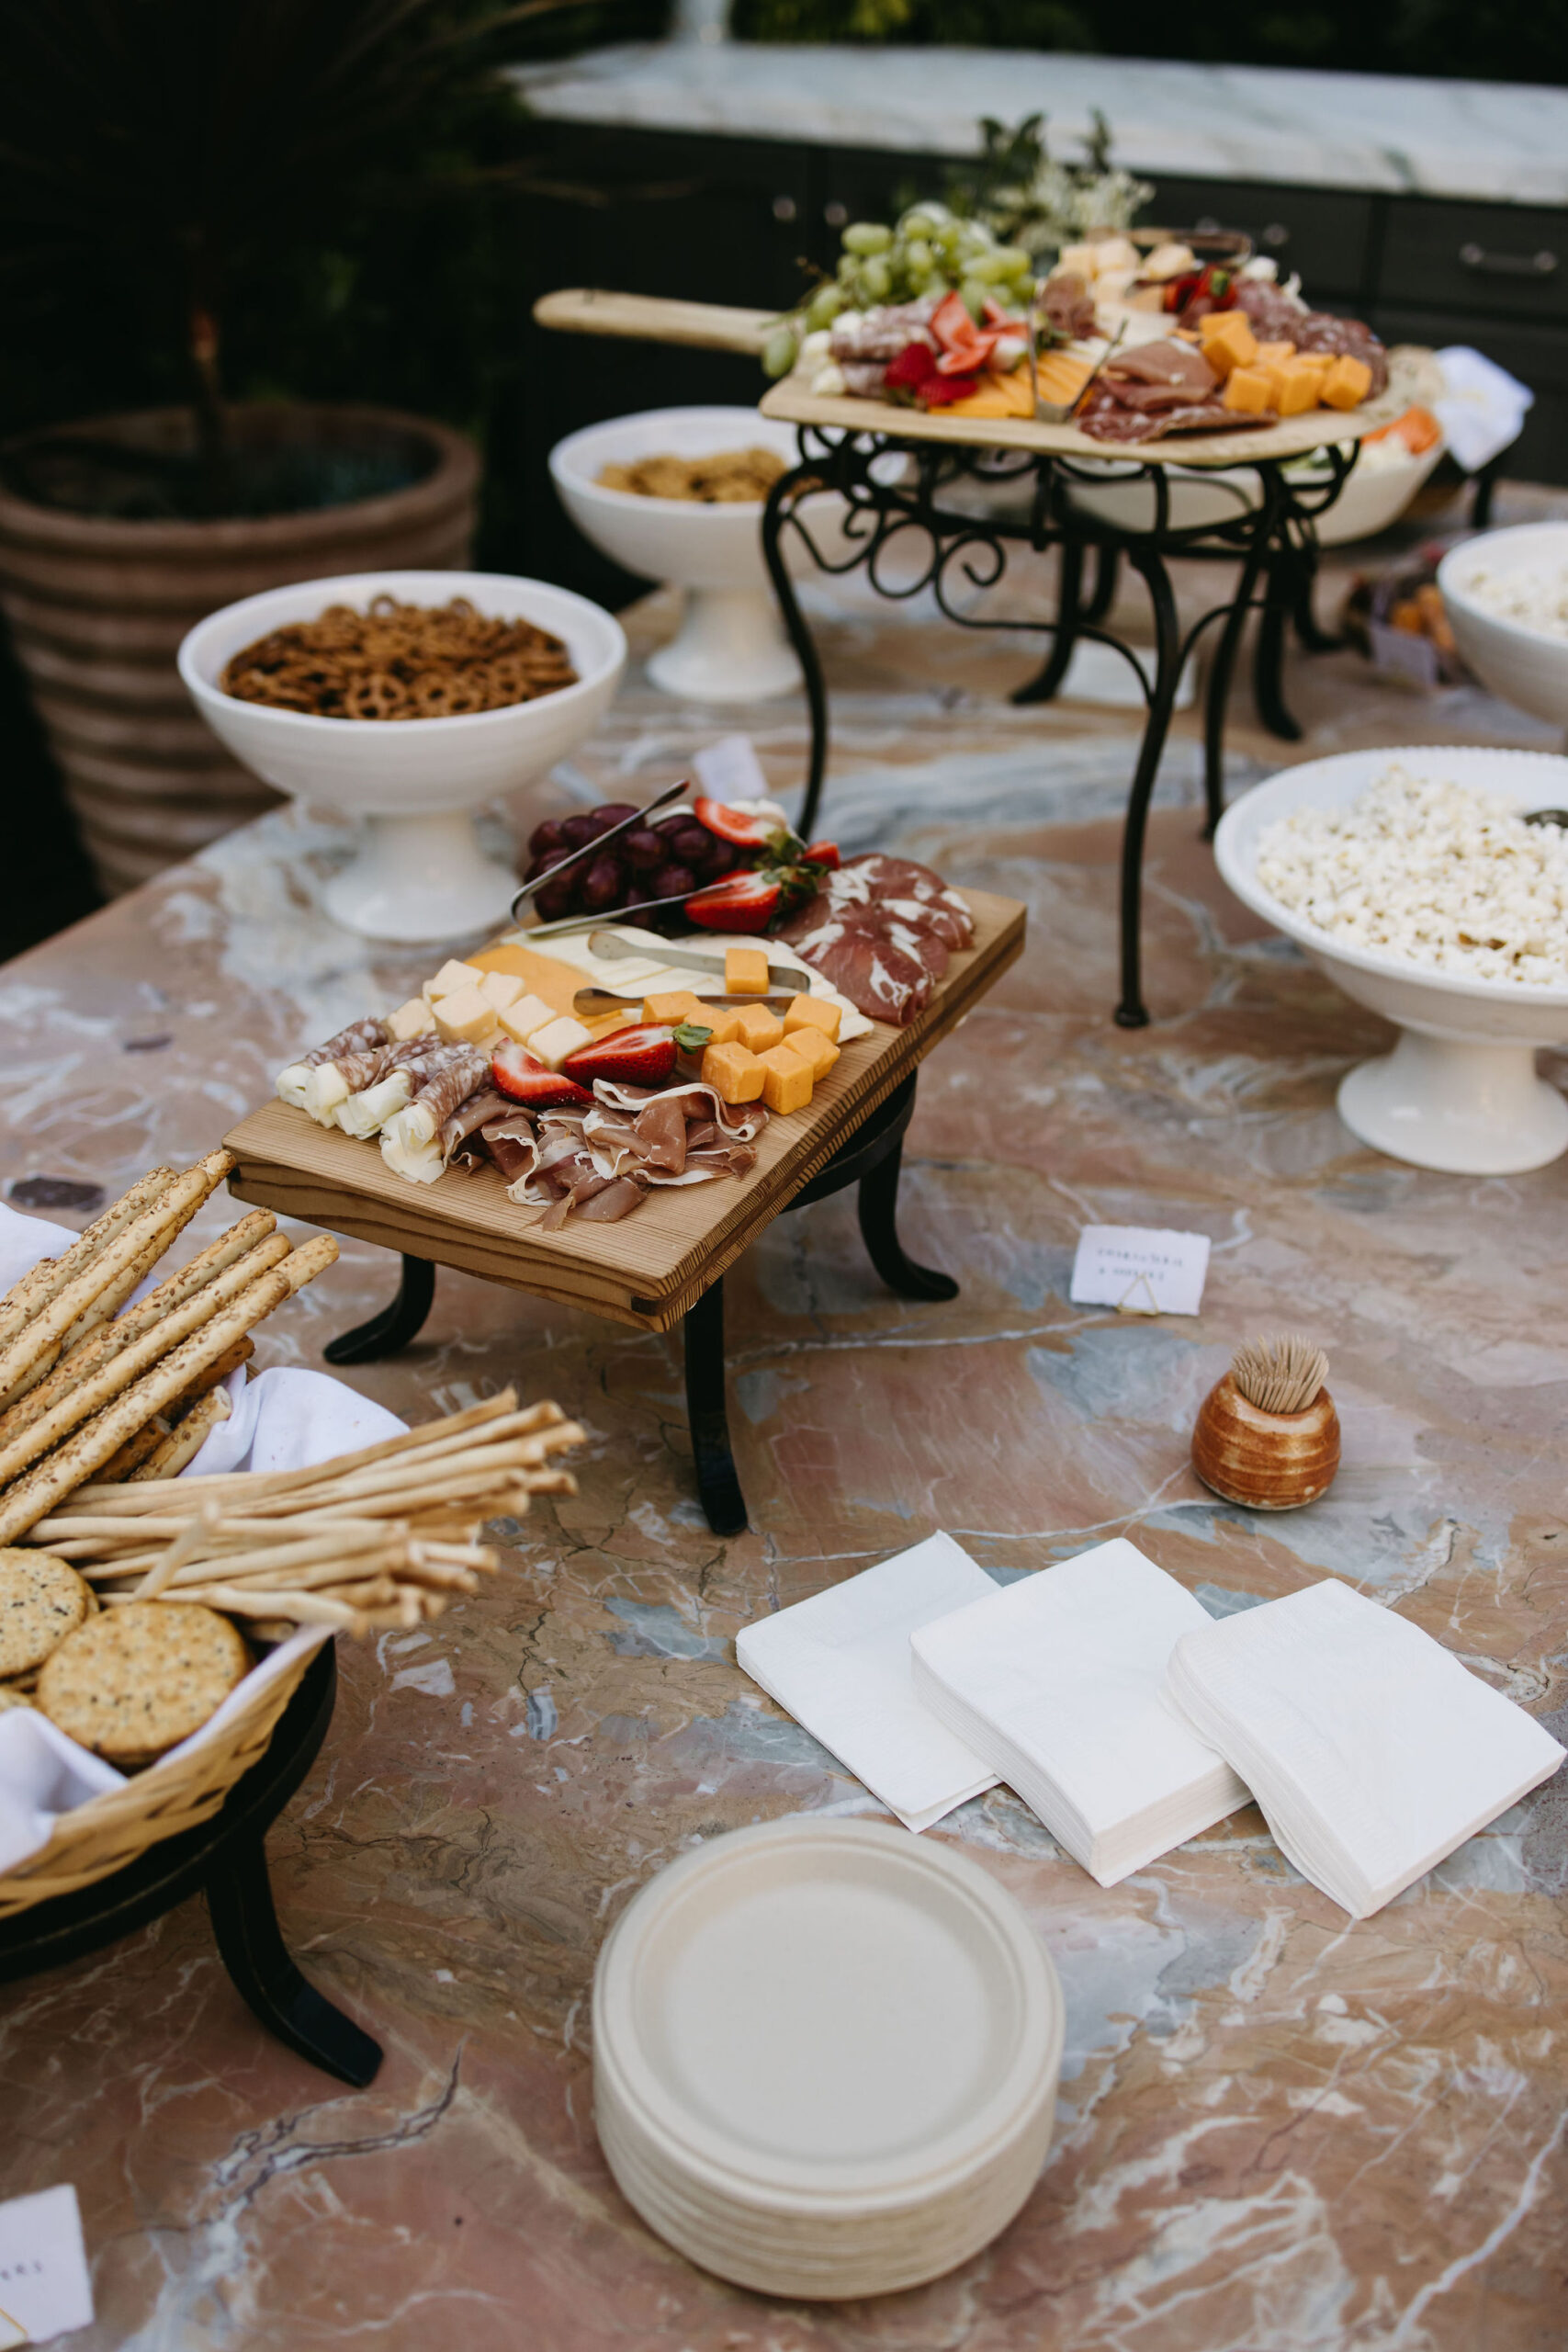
[(918, 515), (225, 1859), (871, 1159)]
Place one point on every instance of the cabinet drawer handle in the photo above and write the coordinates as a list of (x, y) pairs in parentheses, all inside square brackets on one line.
[(1476, 257)]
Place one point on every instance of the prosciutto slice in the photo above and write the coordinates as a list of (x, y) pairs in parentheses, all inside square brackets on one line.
[(460, 1135), (599, 1164), (511, 1144)]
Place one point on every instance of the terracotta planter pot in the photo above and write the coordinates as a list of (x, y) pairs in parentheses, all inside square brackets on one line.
[(1267, 1461), (97, 606)]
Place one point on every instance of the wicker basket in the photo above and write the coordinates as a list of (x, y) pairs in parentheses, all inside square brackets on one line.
[(179, 1793)]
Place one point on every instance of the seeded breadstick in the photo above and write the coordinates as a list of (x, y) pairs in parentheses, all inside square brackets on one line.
[(90, 1396), (185, 1442), (145, 1315), (44, 1330), (50, 1276), (109, 1302), (50, 1480)]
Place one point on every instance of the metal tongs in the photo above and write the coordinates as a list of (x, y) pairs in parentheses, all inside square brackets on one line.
[(1060, 411), (591, 849)]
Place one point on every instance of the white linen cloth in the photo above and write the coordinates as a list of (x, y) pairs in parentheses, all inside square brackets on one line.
[(285, 1419), (840, 1664), (1372, 1751), (1056, 1682), (1483, 410)]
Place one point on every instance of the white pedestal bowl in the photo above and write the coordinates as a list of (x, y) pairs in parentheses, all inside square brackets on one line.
[(1526, 666), (731, 646), (1459, 1091), (420, 874)]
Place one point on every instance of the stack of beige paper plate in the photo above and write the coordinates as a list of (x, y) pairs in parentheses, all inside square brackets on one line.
[(825, 2057)]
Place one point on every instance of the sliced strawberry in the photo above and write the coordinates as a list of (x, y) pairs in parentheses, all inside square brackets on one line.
[(951, 322), (742, 827), (516, 1073), (641, 1056), (939, 391), (825, 854), (740, 902), (913, 365)]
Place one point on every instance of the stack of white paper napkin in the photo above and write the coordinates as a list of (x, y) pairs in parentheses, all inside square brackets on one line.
[(1372, 1751), (840, 1664), (1056, 1682)]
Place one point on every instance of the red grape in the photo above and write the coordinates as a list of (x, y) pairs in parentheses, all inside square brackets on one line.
[(545, 838), (672, 881), (602, 885), (614, 812), (723, 857), (555, 899), (692, 844), (580, 829), (642, 848)]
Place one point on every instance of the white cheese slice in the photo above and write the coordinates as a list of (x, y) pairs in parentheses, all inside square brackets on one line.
[(324, 1090), (414, 1019), (558, 1039)]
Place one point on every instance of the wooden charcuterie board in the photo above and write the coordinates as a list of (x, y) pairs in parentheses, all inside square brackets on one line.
[(648, 1268)]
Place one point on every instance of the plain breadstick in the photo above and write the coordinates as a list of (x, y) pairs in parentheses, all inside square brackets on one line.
[(50, 1276), (48, 1481), (44, 1332)]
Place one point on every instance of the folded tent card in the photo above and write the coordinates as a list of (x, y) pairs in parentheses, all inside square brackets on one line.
[(1372, 1753)]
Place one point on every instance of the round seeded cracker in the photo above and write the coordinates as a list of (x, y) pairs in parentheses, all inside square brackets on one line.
[(42, 1599), (139, 1678)]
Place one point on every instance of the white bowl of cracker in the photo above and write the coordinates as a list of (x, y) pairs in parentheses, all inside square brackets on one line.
[(371, 695), (677, 495)]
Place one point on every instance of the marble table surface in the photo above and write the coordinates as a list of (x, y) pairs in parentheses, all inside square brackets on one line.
[(1278, 2131), (1397, 134)]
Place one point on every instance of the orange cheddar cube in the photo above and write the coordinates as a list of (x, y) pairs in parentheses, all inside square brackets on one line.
[(1269, 354), (745, 971), (812, 1046), (1347, 383), (758, 1028), (724, 1024), (787, 1081), (1226, 340), (1297, 385), (1250, 391), (810, 1013), (676, 1004), (735, 1074)]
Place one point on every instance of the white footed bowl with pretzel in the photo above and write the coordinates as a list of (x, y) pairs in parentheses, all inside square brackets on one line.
[(415, 784)]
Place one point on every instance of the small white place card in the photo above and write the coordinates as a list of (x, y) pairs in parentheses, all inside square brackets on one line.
[(730, 770), (1140, 1269), (44, 2286)]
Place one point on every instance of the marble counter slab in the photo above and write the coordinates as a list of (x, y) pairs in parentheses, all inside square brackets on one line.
[(1278, 2131), (1398, 135)]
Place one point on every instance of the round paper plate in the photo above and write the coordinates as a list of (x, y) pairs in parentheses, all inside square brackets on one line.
[(833, 2024)]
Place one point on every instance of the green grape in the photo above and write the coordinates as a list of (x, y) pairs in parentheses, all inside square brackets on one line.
[(947, 236), (972, 294), (918, 256), (849, 269), (877, 279), (989, 268), (823, 308), (1020, 263), (867, 237), (779, 350)]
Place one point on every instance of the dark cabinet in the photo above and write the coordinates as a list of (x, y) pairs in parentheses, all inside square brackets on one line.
[(1503, 261), (1325, 234)]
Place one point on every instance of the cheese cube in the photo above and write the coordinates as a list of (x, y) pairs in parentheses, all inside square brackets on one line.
[(675, 1004), (452, 977), (812, 1012), (501, 988), (1269, 354), (1226, 340), (1250, 391), (1347, 383), (465, 1018), (758, 1028), (558, 1039), (812, 1046), (745, 971), (526, 1014), (735, 1074), (724, 1024), (1297, 386), (414, 1019), (787, 1083)]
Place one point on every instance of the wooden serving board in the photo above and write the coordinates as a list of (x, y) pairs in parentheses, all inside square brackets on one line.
[(1293, 436), (654, 317), (648, 1268)]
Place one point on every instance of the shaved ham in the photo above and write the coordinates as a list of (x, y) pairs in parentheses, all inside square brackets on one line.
[(612, 1201), (460, 1137), (744, 1121), (511, 1144)]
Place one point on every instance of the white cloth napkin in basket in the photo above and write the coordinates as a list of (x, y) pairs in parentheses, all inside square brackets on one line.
[(840, 1664), (1372, 1751), (1055, 1681)]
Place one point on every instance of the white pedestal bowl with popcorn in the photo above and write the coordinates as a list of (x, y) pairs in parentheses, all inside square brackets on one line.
[(1460, 1091)]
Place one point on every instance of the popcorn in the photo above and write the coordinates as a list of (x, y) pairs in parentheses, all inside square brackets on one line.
[(1537, 600), (1439, 873)]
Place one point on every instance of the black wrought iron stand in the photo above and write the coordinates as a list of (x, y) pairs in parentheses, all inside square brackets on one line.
[(920, 515), (871, 1159), (226, 1860)]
